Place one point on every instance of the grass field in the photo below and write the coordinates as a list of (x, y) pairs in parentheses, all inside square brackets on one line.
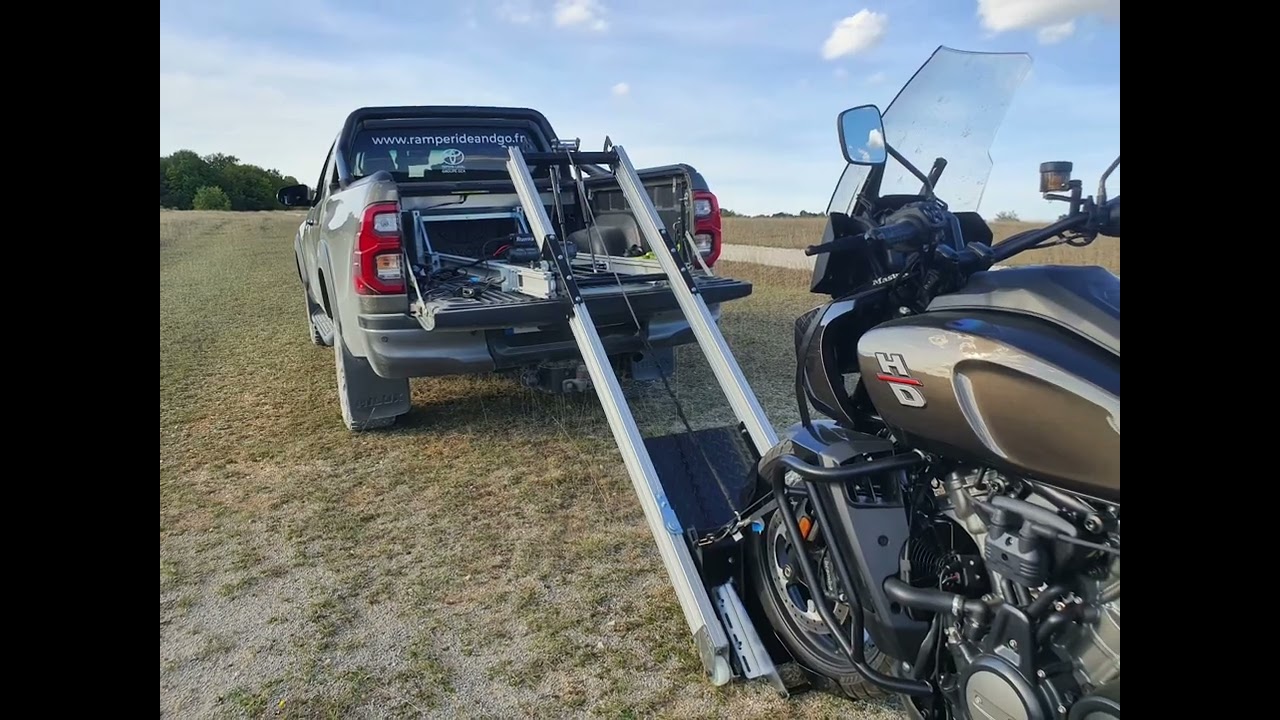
[(485, 558), (802, 232)]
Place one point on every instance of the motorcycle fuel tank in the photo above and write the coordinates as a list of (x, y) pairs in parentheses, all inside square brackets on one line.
[(1009, 390)]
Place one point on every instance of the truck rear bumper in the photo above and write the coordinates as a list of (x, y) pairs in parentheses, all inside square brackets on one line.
[(479, 338)]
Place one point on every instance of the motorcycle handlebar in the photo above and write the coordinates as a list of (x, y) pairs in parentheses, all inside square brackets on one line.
[(905, 232), (902, 232), (1031, 238)]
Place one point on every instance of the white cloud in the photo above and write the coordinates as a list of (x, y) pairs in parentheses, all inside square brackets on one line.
[(253, 102), (875, 138), (519, 12), (1051, 34), (225, 90), (855, 34), (588, 13), (621, 89), (1052, 19)]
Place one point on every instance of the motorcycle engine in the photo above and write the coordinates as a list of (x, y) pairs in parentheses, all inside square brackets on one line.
[(1043, 651)]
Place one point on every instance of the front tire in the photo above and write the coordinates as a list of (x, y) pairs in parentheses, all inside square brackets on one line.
[(778, 585)]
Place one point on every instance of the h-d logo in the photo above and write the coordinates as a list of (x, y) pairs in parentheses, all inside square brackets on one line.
[(906, 389)]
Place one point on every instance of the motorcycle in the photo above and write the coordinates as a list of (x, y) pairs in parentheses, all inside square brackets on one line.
[(950, 532)]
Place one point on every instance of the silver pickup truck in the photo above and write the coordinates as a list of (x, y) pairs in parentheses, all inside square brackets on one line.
[(416, 259)]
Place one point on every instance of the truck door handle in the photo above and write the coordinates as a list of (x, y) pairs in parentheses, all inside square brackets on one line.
[(310, 221)]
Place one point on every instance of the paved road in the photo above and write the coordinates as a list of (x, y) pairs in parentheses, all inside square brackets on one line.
[(778, 257)]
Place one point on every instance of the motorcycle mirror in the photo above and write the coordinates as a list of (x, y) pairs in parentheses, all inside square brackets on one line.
[(1102, 182), (862, 135), (1055, 176)]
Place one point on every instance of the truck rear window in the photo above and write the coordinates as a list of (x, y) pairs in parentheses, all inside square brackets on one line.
[(438, 153)]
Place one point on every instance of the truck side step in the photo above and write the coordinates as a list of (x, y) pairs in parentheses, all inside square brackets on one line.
[(324, 326)]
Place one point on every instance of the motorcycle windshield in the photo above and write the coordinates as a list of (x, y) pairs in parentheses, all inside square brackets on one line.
[(951, 108)]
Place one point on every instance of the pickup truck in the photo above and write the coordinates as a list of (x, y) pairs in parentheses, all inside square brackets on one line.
[(416, 261)]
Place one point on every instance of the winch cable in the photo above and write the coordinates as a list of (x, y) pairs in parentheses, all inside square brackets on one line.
[(729, 528)]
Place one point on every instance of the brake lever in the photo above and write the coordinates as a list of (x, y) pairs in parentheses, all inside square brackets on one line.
[(975, 256)]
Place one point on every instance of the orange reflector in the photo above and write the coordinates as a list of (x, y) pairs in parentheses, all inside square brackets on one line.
[(805, 526), (388, 266)]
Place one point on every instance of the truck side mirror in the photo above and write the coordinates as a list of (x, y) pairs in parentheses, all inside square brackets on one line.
[(295, 196)]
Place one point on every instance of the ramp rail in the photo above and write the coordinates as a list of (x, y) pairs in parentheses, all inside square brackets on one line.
[(722, 630)]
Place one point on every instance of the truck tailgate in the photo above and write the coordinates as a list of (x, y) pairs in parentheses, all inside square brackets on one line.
[(495, 309)]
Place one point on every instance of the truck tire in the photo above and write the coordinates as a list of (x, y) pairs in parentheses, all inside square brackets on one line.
[(368, 401)]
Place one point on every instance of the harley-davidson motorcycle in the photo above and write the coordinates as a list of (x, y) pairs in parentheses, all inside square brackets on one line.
[(950, 534)]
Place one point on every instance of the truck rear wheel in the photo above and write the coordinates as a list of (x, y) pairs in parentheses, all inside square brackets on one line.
[(368, 401)]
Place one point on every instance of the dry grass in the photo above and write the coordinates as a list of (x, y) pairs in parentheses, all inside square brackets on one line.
[(802, 232), (486, 558)]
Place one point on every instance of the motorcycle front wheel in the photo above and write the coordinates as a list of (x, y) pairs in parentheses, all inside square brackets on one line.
[(788, 603)]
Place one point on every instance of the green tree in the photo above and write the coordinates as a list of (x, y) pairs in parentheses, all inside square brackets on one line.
[(187, 172), (250, 187), (221, 161), (246, 187), (166, 199), (211, 197)]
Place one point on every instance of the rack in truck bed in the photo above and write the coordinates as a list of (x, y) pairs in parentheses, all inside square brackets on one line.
[(494, 308)]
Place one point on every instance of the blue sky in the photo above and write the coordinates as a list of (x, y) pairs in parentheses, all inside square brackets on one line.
[(747, 91)]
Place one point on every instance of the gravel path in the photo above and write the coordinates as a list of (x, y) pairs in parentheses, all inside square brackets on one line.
[(778, 257)]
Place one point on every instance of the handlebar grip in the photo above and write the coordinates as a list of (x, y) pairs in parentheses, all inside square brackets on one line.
[(840, 243), (900, 233)]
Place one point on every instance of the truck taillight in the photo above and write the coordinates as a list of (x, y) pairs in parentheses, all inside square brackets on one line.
[(377, 254), (706, 234)]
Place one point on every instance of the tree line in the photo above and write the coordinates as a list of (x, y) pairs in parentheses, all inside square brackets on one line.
[(726, 212), (217, 182), (221, 182)]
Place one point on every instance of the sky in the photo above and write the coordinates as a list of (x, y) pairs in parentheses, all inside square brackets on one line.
[(746, 91)]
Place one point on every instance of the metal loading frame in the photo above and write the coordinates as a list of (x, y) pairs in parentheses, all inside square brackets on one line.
[(725, 367), (707, 620)]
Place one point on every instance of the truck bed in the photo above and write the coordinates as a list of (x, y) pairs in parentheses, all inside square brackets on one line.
[(495, 309)]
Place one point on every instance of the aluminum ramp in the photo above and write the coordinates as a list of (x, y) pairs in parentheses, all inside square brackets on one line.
[(722, 631)]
